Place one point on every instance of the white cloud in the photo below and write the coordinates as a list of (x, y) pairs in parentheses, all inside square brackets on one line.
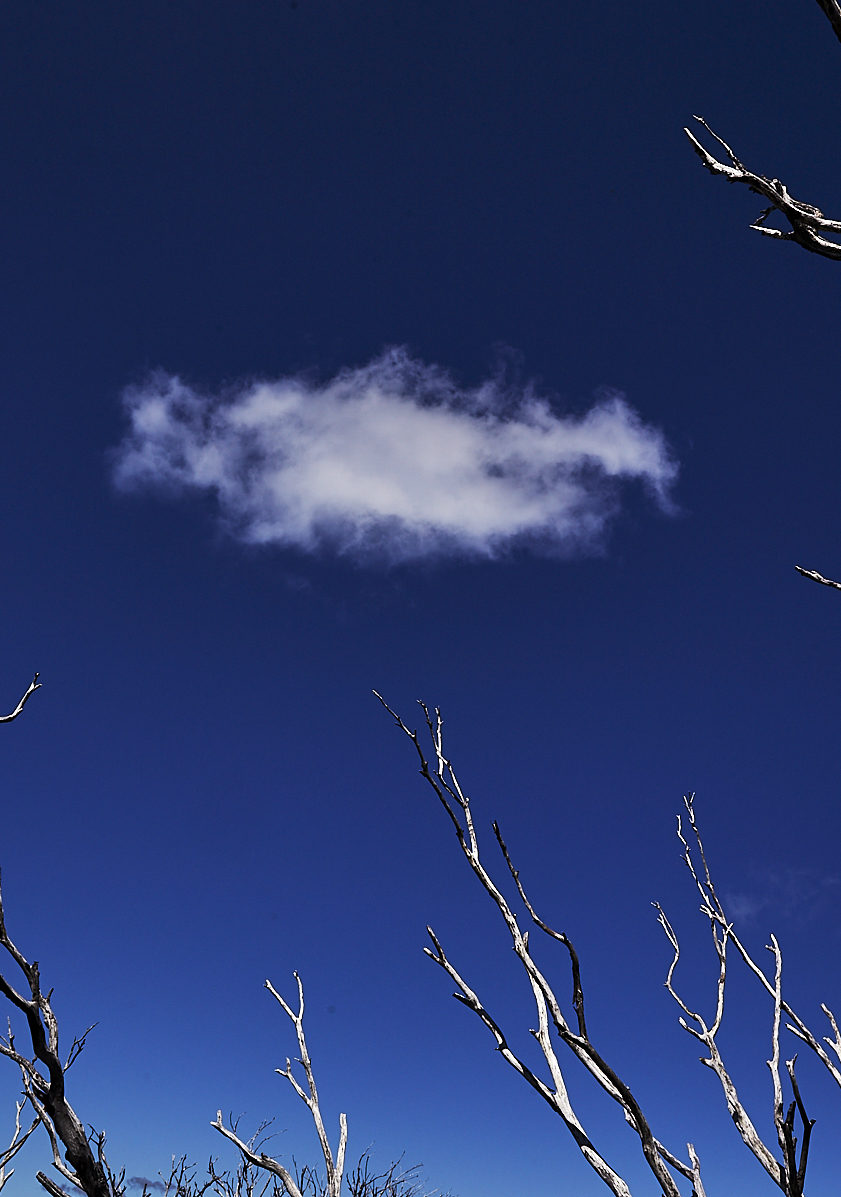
[(392, 461)]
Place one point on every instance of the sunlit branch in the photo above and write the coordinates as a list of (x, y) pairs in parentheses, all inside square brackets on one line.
[(334, 1166), (816, 577), (790, 1174), (443, 780), (808, 223), (47, 1093), (18, 1139), (33, 686)]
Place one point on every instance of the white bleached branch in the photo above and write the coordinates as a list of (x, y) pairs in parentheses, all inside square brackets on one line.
[(789, 1174), (808, 223), (712, 907), (33, 686), (816, 577), (809, 226), (334, 1166), (443, 780), (18, 1139)]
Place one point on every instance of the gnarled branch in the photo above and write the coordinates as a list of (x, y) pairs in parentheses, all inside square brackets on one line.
[(47, 1093), (808, 223)]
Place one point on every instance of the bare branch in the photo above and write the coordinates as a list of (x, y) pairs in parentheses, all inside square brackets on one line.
[(47, 1094), (457, 804), (697, 1183), (808, 223), (259, 1161), (50, 1185), (33, 686), (783, 1126), (47, 1123), (558, 1098), (713, 909), (577, 990), (77, 1046), (816, 577), (18, 1140), (790, 1174), (335, 1167), (706, 1035), (807, 1122), (832, 10)]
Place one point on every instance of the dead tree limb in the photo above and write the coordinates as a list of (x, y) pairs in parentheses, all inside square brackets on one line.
[(18, 1139), (816, 577), (808, 223), (46, 1093), (33, 686), (832, 10), (809, 226), (789, 1173), (713, 909), (334, 1165), (443, 780)]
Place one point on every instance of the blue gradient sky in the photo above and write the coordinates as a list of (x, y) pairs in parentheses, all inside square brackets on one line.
[(204, 793)]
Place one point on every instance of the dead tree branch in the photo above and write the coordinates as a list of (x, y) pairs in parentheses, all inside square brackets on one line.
[(789, 1174), (443, 780), (255, 1158), (18, 1139), (808, 223), (33, 686), (394, 1181), (558, 1097), (334, 1166), (816, 577), (832, 10), (712, 907), (46, 1093)]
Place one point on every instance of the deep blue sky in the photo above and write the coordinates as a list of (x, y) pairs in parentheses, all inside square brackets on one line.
[(204, 793)]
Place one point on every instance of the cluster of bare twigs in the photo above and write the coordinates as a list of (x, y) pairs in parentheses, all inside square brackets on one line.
[(362, 1181), (789, 1171), (249, 1180)]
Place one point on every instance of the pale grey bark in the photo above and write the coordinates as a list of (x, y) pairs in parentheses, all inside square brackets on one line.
[(788, 1173), (33, 686), (809, 228), (816, 577), (19, 1137), (249, 1148), (785, 1166), (442, 778)]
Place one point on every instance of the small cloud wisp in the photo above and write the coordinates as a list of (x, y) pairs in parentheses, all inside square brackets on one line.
[(392, 462)]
